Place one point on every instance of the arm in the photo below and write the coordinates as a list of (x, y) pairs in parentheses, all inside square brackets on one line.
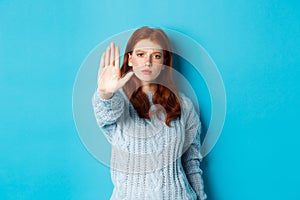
[(107, 112), (107, 101), (191, 158)]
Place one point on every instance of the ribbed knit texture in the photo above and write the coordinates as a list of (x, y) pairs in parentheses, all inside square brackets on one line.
[(151, 161)]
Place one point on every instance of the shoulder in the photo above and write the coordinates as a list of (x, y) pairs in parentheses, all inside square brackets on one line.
[(188, 108), (186, 102)]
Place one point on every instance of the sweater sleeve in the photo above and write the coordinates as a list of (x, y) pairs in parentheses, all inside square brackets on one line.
[(107, 112), (191, 157)]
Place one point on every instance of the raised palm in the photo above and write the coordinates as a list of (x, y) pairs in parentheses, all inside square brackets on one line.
[(109, 75)]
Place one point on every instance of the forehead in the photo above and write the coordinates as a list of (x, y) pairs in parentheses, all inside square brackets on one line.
[(147, 45)]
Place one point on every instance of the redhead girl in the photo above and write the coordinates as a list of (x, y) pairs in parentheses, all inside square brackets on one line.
[(154, 130)]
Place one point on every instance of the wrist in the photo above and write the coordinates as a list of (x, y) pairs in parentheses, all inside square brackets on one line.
[(105, 95)]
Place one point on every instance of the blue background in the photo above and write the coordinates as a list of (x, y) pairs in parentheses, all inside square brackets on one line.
[(255, 45)]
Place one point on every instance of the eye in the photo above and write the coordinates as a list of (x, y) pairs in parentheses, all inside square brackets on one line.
[(140, 54), (157, 56)]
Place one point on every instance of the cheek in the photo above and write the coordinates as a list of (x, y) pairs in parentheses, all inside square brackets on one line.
[(137, 62), (158, 70)]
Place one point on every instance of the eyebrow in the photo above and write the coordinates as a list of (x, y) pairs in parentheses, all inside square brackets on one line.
[(141, 50)]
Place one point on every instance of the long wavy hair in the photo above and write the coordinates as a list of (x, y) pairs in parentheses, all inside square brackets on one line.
[(166, 94)]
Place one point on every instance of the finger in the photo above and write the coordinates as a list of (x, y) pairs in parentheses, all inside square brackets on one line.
[(117, 55), (125, 79), (102, 65), (102, 60), (107, 56), (100, 76), (112, 54)]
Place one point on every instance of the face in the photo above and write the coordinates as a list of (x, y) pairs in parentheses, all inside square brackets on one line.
[(146, 60)]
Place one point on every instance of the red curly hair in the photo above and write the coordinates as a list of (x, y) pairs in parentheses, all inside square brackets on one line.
[(166, 94)]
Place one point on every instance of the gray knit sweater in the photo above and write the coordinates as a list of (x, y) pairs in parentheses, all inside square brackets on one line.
[(151, 161)]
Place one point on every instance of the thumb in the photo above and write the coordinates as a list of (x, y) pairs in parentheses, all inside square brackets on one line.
[(125, 79)]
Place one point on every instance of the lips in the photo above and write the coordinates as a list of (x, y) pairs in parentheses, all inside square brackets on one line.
[(146, 71)]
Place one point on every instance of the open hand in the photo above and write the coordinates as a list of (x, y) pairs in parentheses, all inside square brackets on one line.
[(109, 75)]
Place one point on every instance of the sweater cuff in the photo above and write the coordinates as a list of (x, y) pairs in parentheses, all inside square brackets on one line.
[(107, 111)]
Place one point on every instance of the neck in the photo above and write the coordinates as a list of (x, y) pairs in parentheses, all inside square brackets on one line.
[(149, 88)]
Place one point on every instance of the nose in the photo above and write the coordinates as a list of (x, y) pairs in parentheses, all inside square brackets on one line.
[(148, 60)]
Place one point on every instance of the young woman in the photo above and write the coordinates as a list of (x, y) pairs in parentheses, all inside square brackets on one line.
[(154, 130)]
